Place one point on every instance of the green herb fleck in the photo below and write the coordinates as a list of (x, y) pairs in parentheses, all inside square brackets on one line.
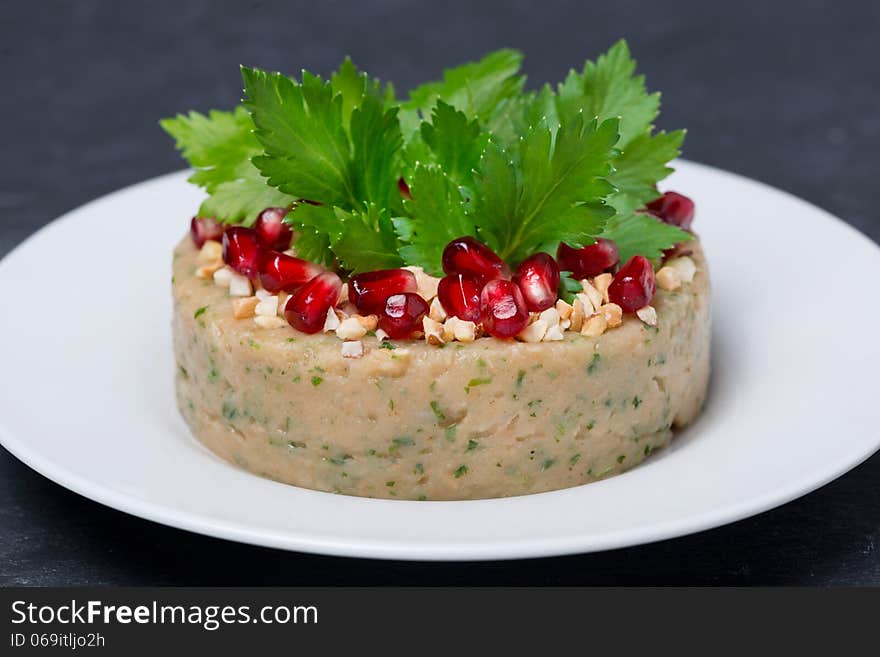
[(547, 464), (317, 380), (386, 344), (636, 402), (473, 383), (594, 364), (200, 312), (403, 441), (438, 412), (461, 470), (621, 458), (230, 412), (520, 377), (472, 445)]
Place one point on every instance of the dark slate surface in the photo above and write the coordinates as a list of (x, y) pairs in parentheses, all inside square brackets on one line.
[(783, 92)]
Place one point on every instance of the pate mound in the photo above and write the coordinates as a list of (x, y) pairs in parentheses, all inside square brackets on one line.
[(490, 418)]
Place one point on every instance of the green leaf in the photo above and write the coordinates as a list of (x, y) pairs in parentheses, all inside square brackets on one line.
[(640, 165), (642, 234), (436, 216), (546, 192), (477, 88), (215, 145), (220, 146), (568, 286), (241, 200), (375, 135), (456, 143), (365, 239), (313, 245), (307, 152), (609, 88)]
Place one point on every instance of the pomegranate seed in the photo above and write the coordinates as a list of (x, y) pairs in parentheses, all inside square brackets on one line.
[(404, 189), (241, 251), (202, 229), (368, 291), (538, 280), (402, 314), (633, 286), (273, 233), (460, 296), (587, 261), (466, 255), (673, 208), (279, 271), (504, 309), (306, 309)]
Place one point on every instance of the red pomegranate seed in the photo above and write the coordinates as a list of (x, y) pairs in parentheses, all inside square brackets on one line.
[(633, 286), (460, 296), (202, 229), (273, 233), (402, 314), (241, 251), (306, 309), (504, 309), (279, 271), (466, 255), (404, 189), (368, 291), (587, 261), (538, 280), (673, 208)]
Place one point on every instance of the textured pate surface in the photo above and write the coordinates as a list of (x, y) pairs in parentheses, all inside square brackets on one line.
[(490, 418)]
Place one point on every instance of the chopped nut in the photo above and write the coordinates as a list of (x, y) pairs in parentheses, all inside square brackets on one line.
[(577, 315), (208, 271), (550, 317), (534, 332), (211, 252), (352, 349), (262, 294), (331, 323), (594, 295), (613, 314), (267, 307), (240, 286), (244, 308), (553, 333), (427, 284), (588, 306), (282, 301), (564, 324), (648, 315), (437, 312), (564, 309), (685, 267), (668, 278), (223, 276), (449, 328), (369, 322), (350, 329), (269, 322), (601, 283), (381, 336), (433, 331), (594, 326), (464, 331), (343, 295)]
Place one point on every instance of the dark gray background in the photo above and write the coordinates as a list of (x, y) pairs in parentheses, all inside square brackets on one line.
[(786, 93)]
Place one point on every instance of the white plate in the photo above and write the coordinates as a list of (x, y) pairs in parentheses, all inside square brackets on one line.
[(87, 397)]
